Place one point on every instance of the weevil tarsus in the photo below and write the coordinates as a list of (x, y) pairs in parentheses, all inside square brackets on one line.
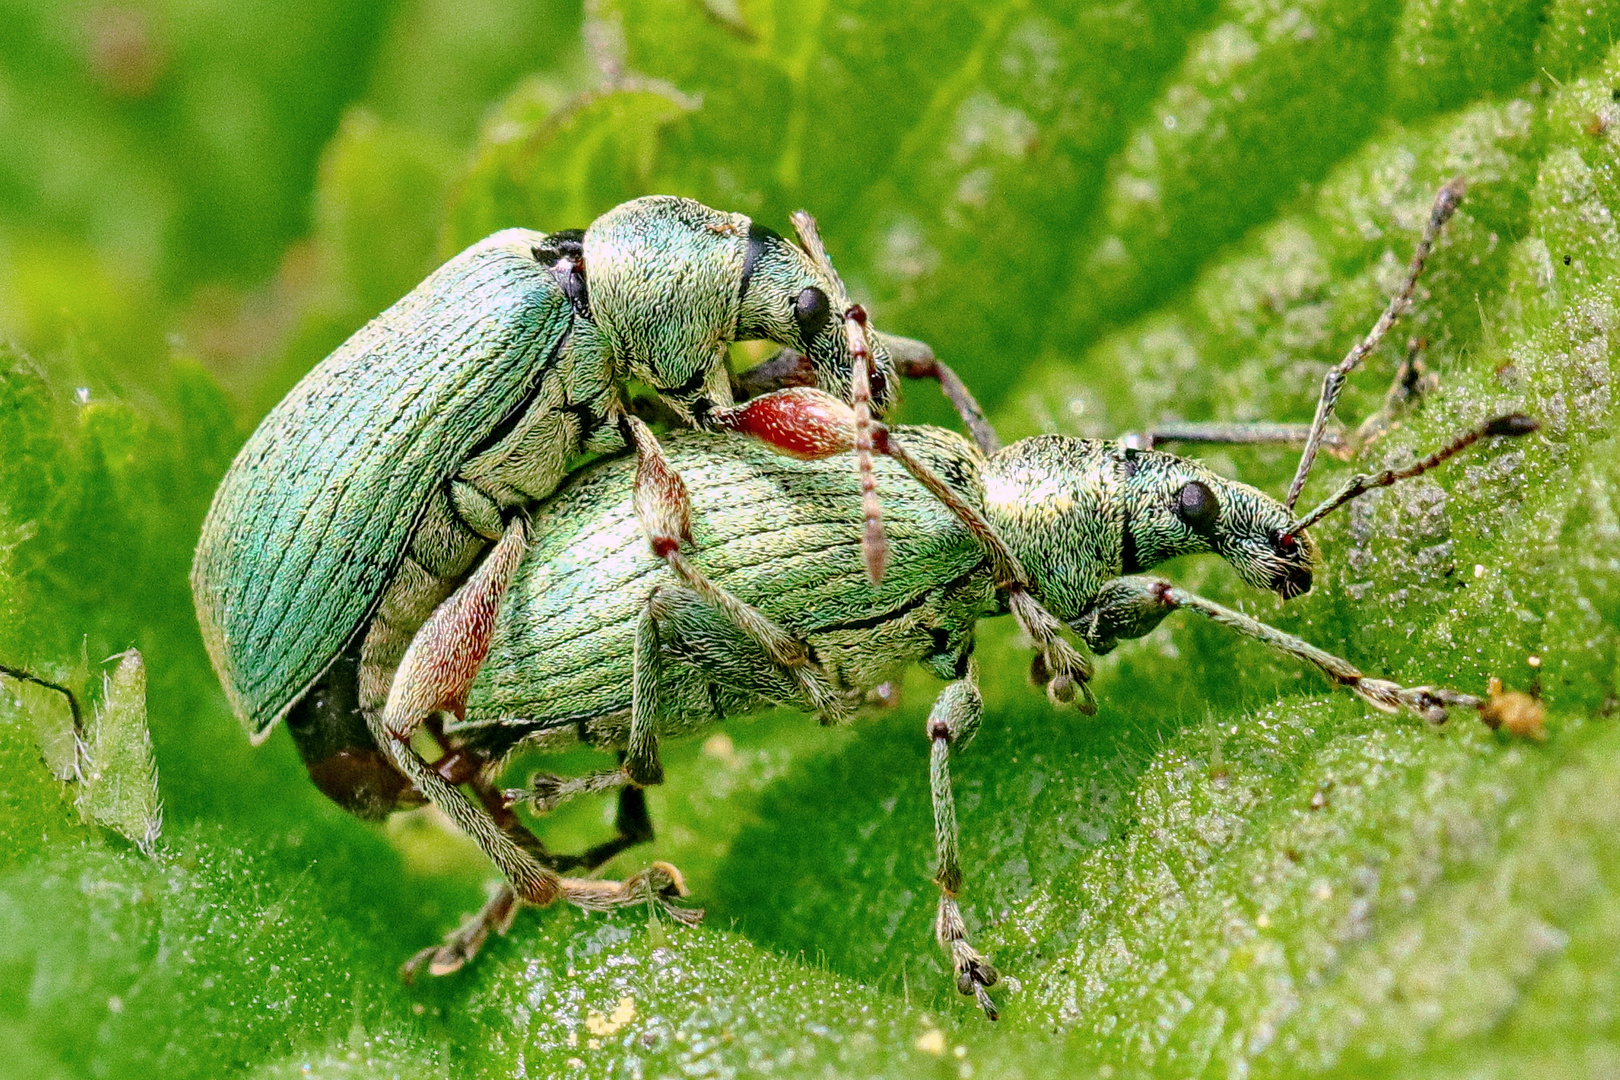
[(1445, 204), (463, 943)]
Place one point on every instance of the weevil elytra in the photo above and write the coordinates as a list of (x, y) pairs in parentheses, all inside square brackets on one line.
[(597, 642), (405, 461)]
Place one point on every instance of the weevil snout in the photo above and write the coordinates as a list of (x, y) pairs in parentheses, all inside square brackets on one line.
[(1296, 555)]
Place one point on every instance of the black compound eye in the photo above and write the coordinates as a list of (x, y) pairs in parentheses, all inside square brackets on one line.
[(1197, 508), (811, 311), (880, 387)]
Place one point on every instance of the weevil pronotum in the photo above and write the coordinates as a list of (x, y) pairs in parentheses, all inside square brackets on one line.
[(596, 642), (365, 500)]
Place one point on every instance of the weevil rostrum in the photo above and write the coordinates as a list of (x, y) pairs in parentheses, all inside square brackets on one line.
[(596, 642), (366, 498)]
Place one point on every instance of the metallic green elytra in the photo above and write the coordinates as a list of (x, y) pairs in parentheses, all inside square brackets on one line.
[(780, 533), (365, 497), (312, 519)]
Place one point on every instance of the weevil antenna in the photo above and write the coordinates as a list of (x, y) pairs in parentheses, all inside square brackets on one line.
[(874, 546), (1445, 204), (1511, 425)]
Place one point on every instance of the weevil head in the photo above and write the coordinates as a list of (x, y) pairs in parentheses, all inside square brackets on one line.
[(1175, 506), (672, 282), (791, 297), (1078, 512)]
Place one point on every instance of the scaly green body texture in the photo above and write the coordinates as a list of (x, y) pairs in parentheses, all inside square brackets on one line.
[(367, 496), (779, 533), (353, 475)]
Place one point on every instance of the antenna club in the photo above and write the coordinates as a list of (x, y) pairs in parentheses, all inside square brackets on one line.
[(1513, 424)]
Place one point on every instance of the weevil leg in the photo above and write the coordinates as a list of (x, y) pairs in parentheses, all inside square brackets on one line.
[(463, 943), (1412, 380), (954, 719), (665, 512), (434, 675), (1258, 433), (780, 370), (1129, 607), (547, 791), (915, 360), (633, 825), (1445, 204), (810, 423), (641, 762)]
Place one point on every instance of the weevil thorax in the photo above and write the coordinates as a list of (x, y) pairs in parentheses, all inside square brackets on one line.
[(1055, 501), (664, 283), (1078, 512)]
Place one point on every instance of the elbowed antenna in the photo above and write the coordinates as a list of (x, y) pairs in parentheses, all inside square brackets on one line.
[(874, 547), (1445, 204), (1510, 425)]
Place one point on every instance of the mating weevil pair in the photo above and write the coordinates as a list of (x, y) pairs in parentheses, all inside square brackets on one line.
[(355, 551), (597, 640)]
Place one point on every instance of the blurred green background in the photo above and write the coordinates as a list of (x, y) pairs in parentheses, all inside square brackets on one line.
[(1104, 216)]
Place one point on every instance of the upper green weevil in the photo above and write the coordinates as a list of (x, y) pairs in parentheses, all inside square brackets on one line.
[(366, 498), (597, 642)]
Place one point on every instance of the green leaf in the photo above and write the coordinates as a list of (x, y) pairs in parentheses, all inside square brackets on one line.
[(1104, 219)]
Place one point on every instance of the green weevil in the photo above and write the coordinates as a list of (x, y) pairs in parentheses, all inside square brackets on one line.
[(596, 642), (406, 459)]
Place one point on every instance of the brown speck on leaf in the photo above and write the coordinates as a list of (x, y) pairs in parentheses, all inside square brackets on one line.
[(1514, 712)]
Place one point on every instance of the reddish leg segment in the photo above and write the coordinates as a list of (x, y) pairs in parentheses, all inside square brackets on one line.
[(434, 675), (665, 511)]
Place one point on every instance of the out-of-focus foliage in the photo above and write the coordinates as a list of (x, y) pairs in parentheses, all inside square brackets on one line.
[(1103, 218)]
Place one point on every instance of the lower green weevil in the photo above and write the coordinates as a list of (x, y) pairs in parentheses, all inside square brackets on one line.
[(596, 642)]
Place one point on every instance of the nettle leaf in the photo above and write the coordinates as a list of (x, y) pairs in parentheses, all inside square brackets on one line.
[(1105, 219)]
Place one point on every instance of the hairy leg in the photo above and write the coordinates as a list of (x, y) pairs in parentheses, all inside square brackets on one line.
[(953, 720), (811, 424), (1129, 607)]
